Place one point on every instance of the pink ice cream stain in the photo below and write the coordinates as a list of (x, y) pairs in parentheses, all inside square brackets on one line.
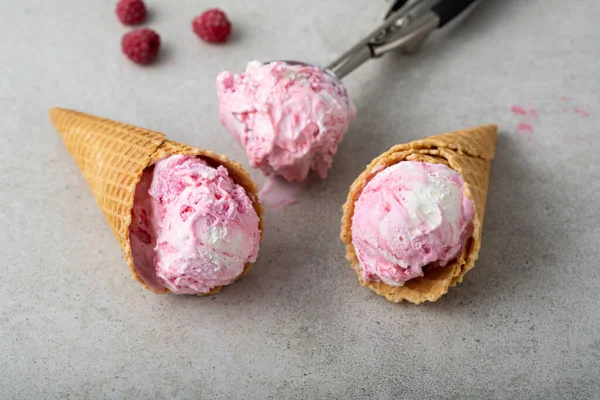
[(528, 117), (518, 110), (534, 114), (278, 193), (524, 128), (576, 110), (525, 112), (582, 138)]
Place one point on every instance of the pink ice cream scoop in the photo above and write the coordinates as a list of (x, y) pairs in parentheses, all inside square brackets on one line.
[(410, 215), (289, 118), (193, 228)]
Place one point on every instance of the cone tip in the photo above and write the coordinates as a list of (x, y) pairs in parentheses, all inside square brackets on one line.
[(55, 113), (490, 129)]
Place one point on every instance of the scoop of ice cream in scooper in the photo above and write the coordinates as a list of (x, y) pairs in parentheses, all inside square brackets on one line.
[(291, 116)]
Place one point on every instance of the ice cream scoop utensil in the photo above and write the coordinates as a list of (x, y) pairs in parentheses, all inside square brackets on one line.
[(407, 25)]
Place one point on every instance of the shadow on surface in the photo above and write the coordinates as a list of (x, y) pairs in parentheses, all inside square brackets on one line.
[(165, 55)]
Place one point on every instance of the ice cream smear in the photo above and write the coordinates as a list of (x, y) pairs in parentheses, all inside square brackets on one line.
[(290, 119), (193, 228), (409, 217)]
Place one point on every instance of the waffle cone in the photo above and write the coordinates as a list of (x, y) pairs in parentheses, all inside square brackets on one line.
[(469, 152), (112, 157)]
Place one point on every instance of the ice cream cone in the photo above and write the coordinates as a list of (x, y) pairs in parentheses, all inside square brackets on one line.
[(469, 152), (112, 156)]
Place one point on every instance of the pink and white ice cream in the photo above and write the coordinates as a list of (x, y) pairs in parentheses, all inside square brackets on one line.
[(409, 216), (193, 228), (290, 119)]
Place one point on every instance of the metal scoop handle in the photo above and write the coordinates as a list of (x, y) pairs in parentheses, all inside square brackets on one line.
[(407, 26)]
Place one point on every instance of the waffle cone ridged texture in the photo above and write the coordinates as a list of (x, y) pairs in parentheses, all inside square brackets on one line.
[(112, 157), (469, 152)]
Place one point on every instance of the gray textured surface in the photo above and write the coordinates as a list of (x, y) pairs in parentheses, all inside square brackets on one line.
[(524, 324)]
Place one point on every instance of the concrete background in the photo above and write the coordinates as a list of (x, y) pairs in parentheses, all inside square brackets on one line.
[(524, 324)]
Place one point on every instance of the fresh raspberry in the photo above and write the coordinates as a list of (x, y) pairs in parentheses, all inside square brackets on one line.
[(131, 12), (212, 25), (141, 45)]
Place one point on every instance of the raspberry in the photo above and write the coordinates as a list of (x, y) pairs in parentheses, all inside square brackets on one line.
[(185, 212), (212, 25), (131, 12), (141, 45)]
